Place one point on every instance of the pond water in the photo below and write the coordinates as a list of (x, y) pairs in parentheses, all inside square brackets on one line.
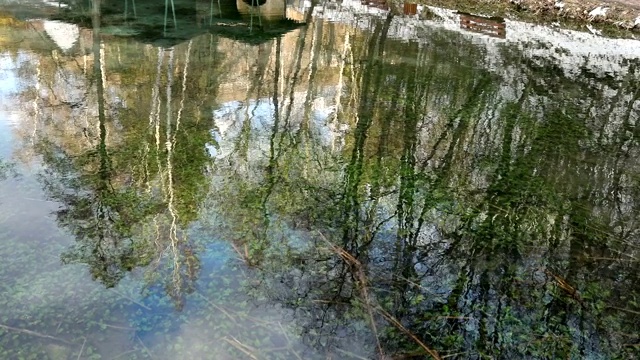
[(314, 181)]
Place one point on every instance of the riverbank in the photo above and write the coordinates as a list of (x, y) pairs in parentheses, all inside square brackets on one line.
[(612, 17)]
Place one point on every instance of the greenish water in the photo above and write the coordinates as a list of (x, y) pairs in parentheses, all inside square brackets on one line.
[(347, 188)]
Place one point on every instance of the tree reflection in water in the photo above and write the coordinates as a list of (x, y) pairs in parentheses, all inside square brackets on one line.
[(434, 204)]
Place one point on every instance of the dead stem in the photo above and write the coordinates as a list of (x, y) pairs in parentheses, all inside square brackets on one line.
[(401, 327), (34, 333), (145, 348), (365, 294), (242, 315), (411, 282), (124, 353), (348, 353), (115, 326), (238, 345), (350, 259), (82, 348), (564, 285), (249, 348), (284, 333), (319, 301), (259, 322), (451, 317), (244, 256), (625, 310), (239, 252), (256, 320), (276, 349), (627, 335), (130, 299), (219, 308), (454, 354), (609, 258)]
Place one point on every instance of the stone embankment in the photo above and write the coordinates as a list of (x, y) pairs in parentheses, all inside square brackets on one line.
[(620, 14)]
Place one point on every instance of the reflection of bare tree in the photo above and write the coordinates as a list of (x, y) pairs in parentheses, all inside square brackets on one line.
[(184, 264), (98, 212), (129, 189), (369, 94), (466, 198)]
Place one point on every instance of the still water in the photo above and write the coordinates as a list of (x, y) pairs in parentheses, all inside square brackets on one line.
[(294, 181)]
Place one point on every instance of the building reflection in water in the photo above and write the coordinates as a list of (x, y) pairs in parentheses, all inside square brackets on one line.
[(495, 27)]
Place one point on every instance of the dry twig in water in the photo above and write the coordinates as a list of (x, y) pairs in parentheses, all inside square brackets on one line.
[(145, 348), (349, 353), (34, 333), (124, 353), (219, 308), (397, 324), (82, 348), (350, 259), (130, 299), (241, 347), (290, 345), (625, 310)]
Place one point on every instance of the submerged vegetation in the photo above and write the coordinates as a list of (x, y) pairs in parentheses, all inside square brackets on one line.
[(331, 192)]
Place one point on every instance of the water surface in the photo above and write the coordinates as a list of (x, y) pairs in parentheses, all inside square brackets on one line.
[(351, 184)]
